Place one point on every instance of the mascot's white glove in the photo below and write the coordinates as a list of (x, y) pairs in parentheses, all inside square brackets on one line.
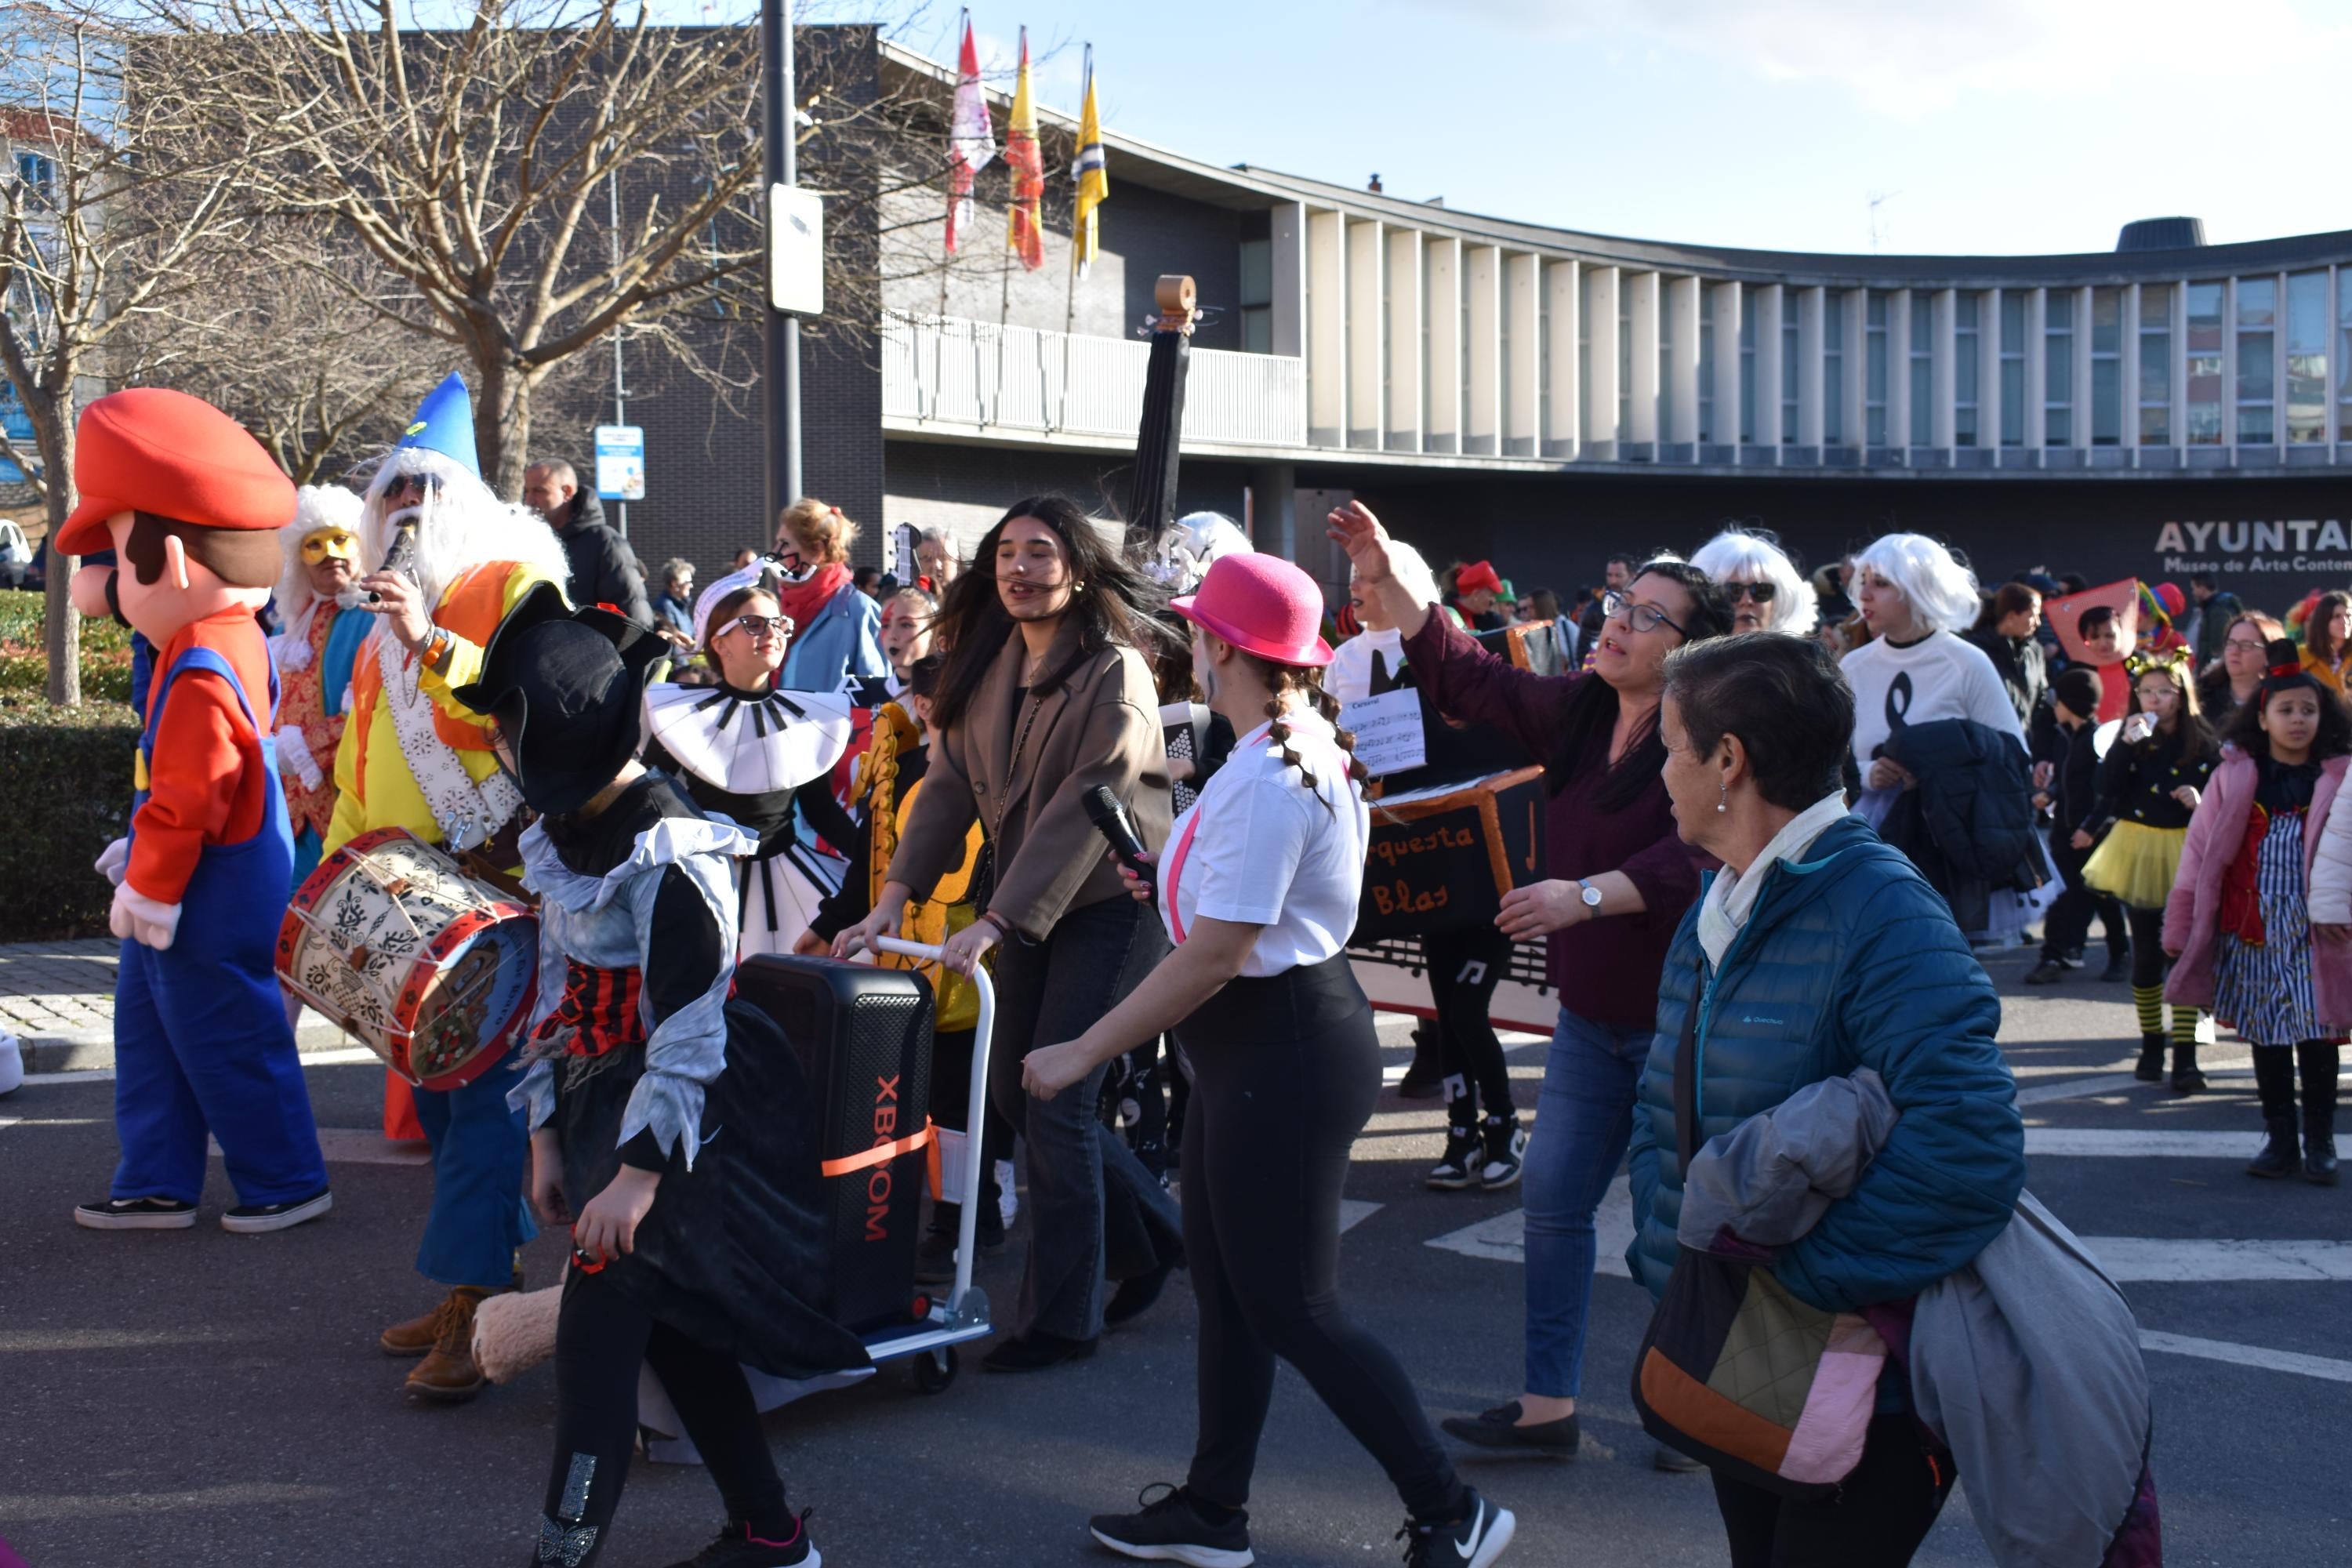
[(294, 756), (114, 861), (142, 920)]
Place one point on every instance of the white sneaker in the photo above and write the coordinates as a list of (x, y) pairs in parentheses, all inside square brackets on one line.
[(12, 1064), (1008, 1202)]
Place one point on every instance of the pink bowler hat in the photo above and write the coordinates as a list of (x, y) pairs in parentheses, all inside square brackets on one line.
[(1262, 605)]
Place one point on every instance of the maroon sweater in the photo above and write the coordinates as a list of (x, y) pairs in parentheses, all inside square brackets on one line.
[(1605, 969)]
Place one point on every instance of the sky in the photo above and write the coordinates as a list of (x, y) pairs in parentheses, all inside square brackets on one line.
[(1962, 127)]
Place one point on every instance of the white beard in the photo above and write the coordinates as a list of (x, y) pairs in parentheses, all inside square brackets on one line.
[(459, 526)]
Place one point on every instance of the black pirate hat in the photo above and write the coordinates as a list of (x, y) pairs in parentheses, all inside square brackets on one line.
[(567, 690)]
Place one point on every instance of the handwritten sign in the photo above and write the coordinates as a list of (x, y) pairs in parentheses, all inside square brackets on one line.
[(1389, 736)]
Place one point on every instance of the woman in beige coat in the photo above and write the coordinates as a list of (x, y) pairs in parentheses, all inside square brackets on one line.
[(1048, 693)]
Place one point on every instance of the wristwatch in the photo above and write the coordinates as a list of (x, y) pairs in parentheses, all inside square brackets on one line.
[(1590, 894), (437, 643)]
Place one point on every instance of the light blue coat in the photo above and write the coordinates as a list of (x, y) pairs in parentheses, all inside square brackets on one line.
[(844, 639)]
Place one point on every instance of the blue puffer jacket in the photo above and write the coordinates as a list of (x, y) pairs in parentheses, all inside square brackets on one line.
[(1848, 960), (843, 640)]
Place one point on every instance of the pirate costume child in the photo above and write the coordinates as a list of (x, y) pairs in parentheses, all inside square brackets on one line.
[(670, 1126)]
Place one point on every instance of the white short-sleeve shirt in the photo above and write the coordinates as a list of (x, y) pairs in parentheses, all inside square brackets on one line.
[(1261, 849)]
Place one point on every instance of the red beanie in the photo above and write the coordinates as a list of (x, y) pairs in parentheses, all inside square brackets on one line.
[(154, 450)]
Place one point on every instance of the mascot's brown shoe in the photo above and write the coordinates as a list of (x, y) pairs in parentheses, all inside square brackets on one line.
[(447, 1374)]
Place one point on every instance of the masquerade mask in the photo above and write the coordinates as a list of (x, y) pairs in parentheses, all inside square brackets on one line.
[(322, 544)]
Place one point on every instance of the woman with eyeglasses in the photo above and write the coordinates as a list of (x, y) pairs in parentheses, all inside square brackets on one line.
[(750, 751), (2231, 683), (1768, 593), (1620, 879)]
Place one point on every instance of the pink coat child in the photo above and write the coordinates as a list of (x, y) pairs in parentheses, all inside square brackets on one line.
[(2193, 915)]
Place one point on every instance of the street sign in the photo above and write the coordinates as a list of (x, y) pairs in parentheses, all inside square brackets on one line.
[(620, 462), (795, 250)]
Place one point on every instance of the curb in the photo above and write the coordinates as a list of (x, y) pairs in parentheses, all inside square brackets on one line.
[(85, 1051)]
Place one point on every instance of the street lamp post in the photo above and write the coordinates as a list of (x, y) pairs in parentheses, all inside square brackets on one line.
[(780, 387)]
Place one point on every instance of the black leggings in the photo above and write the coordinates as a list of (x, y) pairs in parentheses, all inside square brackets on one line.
[(1285, 1071), (601, 1337), (1881, 1513), (1464, 967), (2148, 963)]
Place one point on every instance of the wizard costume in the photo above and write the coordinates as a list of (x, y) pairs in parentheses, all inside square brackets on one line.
[(638, 1058), (203, 1049)]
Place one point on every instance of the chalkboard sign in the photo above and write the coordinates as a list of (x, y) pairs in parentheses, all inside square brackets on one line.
[(1442, 858)]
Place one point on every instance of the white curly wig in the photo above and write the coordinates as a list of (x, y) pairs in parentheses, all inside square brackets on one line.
[(1410, 568), (1754, 555), (315, 507), (1939, 587)]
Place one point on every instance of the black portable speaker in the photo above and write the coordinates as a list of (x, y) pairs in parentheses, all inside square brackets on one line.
[(863, 1037)]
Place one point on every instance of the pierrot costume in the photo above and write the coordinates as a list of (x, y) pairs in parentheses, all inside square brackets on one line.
[(203, 1048)]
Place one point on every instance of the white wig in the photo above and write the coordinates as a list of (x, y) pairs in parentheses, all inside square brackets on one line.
[(315, 507), (1754, 555), (1412, 572), (1938, 586), (1197, 541), (460, 526)]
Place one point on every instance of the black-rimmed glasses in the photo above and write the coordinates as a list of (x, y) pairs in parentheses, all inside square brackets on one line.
[(1641, 617), (752, 625)]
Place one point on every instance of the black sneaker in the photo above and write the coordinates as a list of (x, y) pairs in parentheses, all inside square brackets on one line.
[(1675, 1462), (1505, 1148), (2118, 971), (2049, 972), (1168, 1528), (1035, 1351), (1499, 1429), (1466, 1154), (737, 1547), (254, 1219), (1472, 1540), (1135, 1295), (136, 1214), (1425, 1079)]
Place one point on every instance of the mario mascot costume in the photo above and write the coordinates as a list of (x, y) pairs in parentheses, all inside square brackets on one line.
[(190, 506), (445, 559)]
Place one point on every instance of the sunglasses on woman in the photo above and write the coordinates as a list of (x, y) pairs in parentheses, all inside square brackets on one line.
[(1641, 617), (1761, 592)]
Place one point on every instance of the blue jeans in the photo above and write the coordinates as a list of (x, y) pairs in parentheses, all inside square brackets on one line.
[(479, 1151), (1584, 1114)]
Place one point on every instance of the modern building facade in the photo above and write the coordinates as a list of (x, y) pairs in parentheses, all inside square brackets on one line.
[(1545, 396)]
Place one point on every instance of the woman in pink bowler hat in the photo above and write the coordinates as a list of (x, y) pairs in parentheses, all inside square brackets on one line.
[(1258, 891)]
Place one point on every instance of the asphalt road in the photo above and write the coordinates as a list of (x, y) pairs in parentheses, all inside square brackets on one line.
[(186, 1398)]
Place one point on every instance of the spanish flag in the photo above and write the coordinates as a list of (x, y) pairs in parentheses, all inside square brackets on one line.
[(1092, 174), (1026, 232)]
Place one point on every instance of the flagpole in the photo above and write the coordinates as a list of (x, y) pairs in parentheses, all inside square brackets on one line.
[(1004, 295)]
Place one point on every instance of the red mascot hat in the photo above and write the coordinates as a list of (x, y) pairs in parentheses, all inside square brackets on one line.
[(154, 450)]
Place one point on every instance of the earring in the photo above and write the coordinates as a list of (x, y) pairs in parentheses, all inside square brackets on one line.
[(1724, 802)]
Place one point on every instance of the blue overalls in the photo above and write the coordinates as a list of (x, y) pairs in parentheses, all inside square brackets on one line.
[(201, 1040)]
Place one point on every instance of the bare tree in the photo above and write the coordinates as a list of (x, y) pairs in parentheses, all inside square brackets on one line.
[(474, 166), (322, 379), (111, 190)]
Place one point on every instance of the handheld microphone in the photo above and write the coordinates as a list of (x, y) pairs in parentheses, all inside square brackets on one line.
[(1110, 819)]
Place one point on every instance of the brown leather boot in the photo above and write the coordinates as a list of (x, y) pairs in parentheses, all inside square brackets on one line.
[(416, 1336), (447, 1375)]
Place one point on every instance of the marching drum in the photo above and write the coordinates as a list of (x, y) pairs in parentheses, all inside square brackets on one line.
[(433, 971)]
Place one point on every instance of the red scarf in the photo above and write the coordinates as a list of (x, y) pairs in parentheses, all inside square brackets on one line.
[(806, 601)]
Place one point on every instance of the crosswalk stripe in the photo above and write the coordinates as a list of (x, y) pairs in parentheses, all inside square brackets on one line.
[(2129, 1259), (2303, 1365)]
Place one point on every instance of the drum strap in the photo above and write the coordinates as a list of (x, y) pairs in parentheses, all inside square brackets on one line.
[(599, 1010)]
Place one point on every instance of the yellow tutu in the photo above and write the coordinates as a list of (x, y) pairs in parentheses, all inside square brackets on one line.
[(2136, 863)]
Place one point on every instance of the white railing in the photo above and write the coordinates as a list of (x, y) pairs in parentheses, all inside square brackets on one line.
[(954, 372)]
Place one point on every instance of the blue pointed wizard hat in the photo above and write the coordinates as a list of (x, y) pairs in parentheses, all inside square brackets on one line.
[(444, 424)]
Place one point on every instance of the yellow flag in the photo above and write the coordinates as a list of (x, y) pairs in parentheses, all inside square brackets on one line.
[(1092, 174)]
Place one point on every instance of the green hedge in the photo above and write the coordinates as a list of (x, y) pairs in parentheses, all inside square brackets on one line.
[(24, 668), (64, 794)]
